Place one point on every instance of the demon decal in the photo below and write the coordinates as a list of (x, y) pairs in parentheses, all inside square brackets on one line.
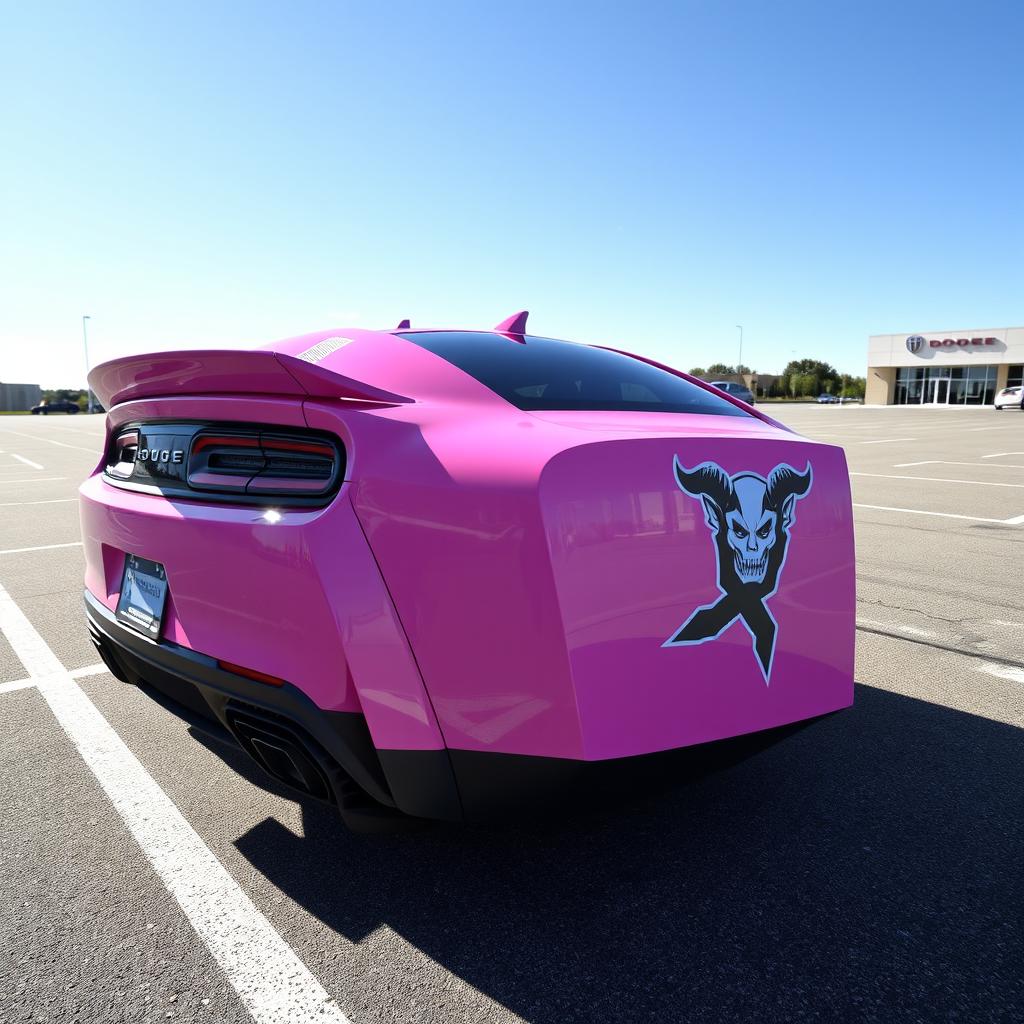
[(750, 518)]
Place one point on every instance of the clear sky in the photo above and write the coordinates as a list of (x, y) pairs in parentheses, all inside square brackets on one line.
[(643, 174)]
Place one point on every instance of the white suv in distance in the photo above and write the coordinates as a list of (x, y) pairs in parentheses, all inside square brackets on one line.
[(1010, 398)]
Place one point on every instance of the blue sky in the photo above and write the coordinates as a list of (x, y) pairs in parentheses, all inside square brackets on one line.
[(647, 175)]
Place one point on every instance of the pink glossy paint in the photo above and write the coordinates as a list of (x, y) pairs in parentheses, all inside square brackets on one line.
[(487, 579)]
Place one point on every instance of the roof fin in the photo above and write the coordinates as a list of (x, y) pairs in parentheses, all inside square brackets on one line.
[(515, 324), (403, 325)]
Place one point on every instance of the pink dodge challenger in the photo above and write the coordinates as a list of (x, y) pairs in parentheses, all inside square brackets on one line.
[(438, 573)]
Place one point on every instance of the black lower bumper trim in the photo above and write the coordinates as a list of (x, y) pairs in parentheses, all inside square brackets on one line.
[(194, 682), (513, 786), (448, 785)]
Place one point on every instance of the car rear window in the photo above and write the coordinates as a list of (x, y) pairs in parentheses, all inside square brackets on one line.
[(542, 373)]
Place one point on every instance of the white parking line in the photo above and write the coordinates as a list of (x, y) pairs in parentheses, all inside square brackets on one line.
[(60, 444), (1015, 675), (41, 547), (28, 462), (89, 670), (999, 455), (18, 684), (33, 480), (42, 501), (78, 673), (943, 462), (888, 440), (275, 985), (938, 480), (80, 431), (1015, 521)]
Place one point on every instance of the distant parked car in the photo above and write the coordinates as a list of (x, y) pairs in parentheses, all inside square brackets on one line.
[(47, 407), (739, 391), (828, 400), (1010, 398)]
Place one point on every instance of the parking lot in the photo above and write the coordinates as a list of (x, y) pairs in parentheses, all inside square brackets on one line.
[(866, 868)]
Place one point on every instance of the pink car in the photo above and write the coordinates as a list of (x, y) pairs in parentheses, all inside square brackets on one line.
[(440, 573)]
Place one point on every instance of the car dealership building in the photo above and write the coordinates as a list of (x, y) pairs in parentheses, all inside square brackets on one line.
[(943, 368)]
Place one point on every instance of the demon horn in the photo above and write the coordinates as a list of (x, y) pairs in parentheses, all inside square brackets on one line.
[(785, 482), (707, 479)]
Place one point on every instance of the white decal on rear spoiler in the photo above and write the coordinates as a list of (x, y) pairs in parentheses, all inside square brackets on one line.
[(322, 349)]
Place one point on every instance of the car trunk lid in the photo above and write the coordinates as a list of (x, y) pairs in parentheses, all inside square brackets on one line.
[(682, 623)]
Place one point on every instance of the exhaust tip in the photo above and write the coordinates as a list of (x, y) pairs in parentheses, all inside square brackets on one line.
[(291, 756), (282, 752)]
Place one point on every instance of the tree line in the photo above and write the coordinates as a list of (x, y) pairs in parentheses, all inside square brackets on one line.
[(802, 378), (76, 395)]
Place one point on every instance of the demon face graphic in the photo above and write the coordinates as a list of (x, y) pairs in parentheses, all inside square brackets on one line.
[(750, 518)]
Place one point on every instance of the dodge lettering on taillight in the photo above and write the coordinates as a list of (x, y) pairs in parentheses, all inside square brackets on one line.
[(161, 455)]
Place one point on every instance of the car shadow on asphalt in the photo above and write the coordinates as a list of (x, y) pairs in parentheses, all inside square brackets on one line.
[(868, 867)]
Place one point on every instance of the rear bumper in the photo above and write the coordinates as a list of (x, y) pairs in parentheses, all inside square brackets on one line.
[(447, 785), (416, 782)]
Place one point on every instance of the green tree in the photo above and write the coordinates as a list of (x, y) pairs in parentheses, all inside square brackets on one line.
[(853, 387), (66, 395), (813, 377), (720, 369), (823, 370), (698, 371)]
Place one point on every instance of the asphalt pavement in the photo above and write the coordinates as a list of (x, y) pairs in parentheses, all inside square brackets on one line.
[(867, 868)]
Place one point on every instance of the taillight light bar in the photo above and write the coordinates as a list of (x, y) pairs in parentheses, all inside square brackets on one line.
[(263, 464), (228, 440)]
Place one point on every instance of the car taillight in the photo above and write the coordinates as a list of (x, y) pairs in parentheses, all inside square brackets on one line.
[(262, 464), (250, 673), (126, 447)]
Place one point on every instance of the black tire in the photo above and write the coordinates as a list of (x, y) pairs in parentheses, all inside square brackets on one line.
[(71, 412)]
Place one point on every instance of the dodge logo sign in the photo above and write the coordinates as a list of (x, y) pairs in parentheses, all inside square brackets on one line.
[(914, 344)]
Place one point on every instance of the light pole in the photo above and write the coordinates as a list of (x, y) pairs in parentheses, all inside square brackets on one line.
[(85, 342), (739, 327)]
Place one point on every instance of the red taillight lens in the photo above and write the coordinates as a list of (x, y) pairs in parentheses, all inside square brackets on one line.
[(224, 441), (294, 466), (250, 673), (126, 446), (263, 464)]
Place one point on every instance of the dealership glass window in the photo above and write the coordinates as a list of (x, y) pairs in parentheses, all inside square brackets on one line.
[(1015, 376), (957, 385), (909, 385), (990, 385), (981, 384)]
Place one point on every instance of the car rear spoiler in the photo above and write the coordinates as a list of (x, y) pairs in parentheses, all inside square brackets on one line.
[(225, 372)]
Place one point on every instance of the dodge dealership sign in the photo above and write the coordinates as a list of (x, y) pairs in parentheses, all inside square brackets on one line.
[(915, 343)]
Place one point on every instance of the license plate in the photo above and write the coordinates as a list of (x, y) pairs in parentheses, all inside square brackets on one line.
[(143, 595)]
